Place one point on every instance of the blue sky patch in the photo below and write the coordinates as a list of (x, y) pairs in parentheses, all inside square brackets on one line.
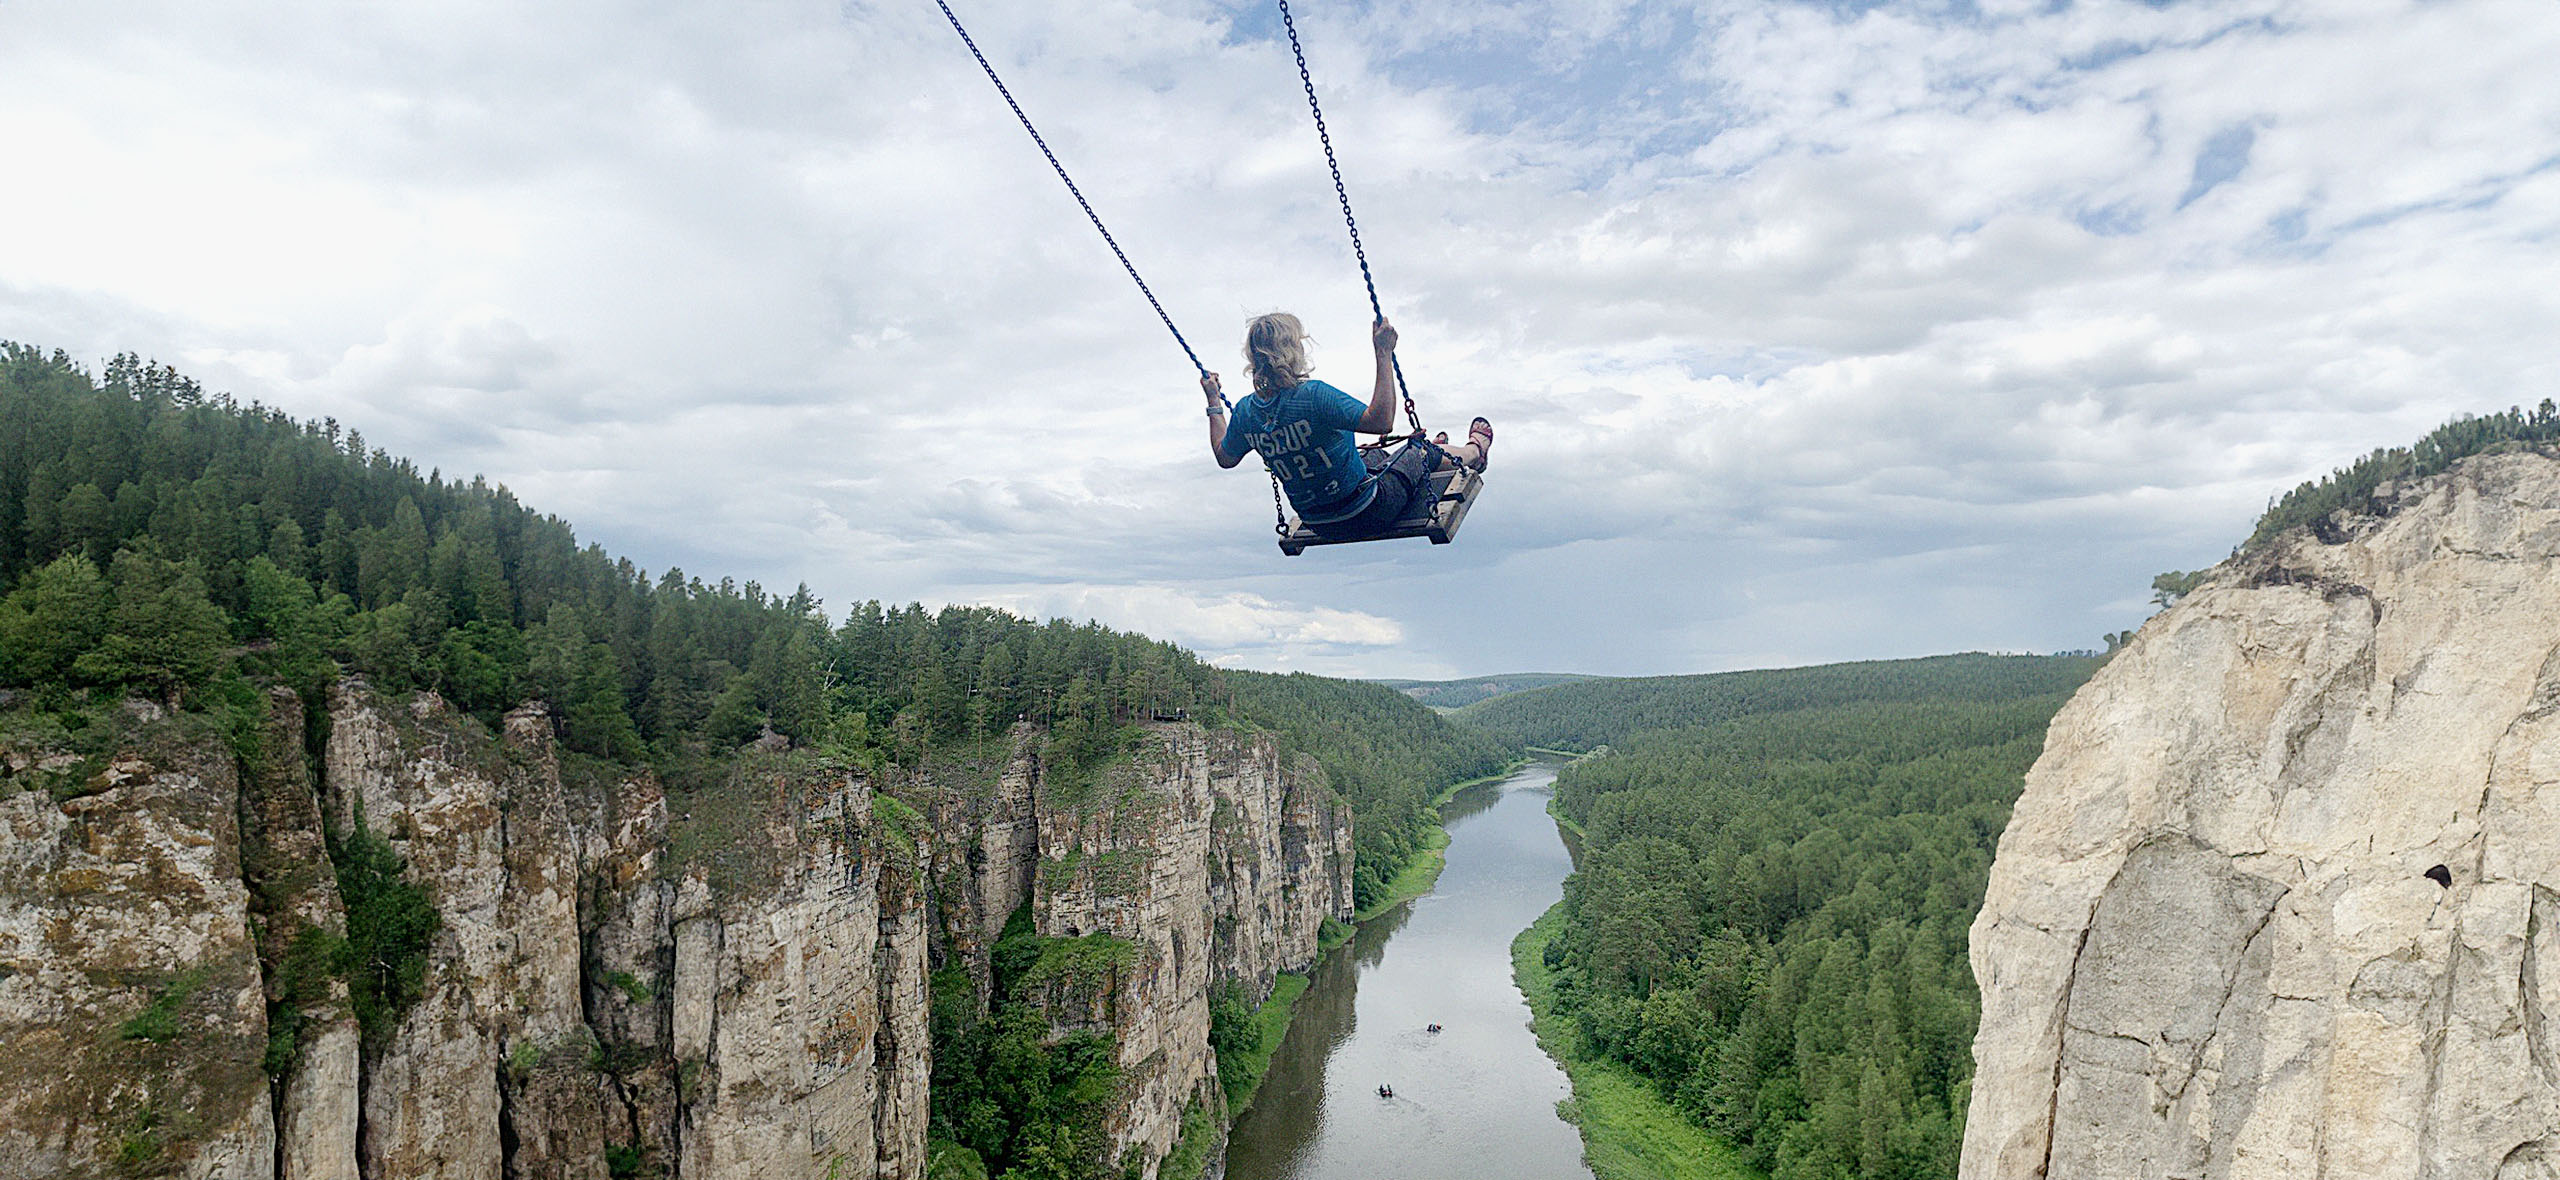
[(2224, 156)]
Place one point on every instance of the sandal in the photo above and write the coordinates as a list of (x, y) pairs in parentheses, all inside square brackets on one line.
[(1480, 432)]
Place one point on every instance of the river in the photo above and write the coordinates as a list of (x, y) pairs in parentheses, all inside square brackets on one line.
[(1475, 1101)]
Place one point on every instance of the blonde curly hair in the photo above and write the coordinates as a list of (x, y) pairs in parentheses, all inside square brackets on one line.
[(1275, 345)]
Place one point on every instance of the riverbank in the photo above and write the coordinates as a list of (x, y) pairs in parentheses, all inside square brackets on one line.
[(1555, 804), (1201, 1132), (1629, 1132), (1270, 1023), (1421, 871)]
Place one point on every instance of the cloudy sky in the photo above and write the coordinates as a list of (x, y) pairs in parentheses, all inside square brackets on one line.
[(1813, 330)]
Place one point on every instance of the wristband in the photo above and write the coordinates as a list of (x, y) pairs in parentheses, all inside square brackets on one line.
[(1217, 411)]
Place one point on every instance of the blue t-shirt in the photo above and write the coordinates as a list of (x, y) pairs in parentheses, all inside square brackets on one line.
[(1305, 436)]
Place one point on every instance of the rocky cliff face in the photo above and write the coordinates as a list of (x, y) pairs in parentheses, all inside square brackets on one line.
[(1189, 854), (2282, 896), (718, 982), (1205, 853), (131, 1001)]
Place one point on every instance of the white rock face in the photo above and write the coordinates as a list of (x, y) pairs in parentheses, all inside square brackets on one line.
[(433, 1104), (1218, 864), (740, 993), (121, 896), (293, 893), (2279, 897), (1280, 860), (780, 996)]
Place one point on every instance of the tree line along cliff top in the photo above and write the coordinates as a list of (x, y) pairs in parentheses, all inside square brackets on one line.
[(2354, 488)]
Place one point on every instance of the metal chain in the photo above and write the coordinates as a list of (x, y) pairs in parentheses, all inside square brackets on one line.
[(1078, 193), (1279, 514), (1308, 80)]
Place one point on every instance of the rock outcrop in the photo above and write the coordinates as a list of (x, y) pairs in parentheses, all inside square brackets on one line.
[(2282, 895), (732, 980), (131, 1001), (1190, 855)]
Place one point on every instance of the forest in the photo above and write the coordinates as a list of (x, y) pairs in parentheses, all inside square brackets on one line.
[(1455, 694), (159, 541), (1769, 917), (1587, 714)]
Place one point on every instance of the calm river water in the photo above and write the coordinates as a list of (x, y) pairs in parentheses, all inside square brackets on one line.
[(1477, 1101)]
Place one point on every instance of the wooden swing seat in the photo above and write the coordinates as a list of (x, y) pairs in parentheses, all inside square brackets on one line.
[(1436, 513)]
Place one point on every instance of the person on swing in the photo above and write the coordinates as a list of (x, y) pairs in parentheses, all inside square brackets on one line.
[(1303, 429)]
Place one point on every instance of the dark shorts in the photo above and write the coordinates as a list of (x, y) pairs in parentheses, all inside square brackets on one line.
[(1401, 477)]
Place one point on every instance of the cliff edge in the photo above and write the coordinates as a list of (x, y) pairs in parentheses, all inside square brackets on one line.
[(622, 977), (2279, 899)]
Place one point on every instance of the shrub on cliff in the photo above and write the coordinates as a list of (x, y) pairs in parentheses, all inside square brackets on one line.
[(56, 614), (1020, 1103), (389, 924)]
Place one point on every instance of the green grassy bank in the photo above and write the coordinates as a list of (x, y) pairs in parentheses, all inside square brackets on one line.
[(1628, 1131), (1270, 1023), (1421, 871), (1240, 1074)]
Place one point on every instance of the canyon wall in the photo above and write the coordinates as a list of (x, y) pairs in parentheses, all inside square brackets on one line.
[(722, 981), (2282, 895)]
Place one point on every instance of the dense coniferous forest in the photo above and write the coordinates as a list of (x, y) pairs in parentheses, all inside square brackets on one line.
[(1588, 714), (159, 541), (1770, 912), (155, 539), (1455, 694)]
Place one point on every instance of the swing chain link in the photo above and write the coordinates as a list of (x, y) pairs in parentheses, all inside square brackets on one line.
[(1307, 79), (1072, 190), (1279, 515)]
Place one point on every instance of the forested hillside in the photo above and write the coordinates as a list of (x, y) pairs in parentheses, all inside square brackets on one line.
[(1454, 694), (1586, 714), (1769, 918), (156, 539)]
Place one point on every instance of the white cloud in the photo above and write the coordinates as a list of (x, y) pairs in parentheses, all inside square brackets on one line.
[(1241, 623)]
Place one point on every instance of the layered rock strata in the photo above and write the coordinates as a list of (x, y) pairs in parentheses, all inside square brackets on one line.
[(2282, 895), (725, 981)]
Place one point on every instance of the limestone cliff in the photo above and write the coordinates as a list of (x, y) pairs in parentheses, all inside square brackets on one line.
[(725, 980), (2282, 895), (1189, 854), (131, 1001), (1205, 852)]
